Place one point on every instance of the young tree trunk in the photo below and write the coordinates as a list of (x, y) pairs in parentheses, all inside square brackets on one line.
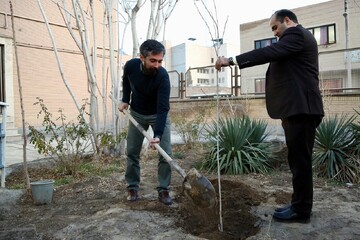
[(60, 66), (26, 173)]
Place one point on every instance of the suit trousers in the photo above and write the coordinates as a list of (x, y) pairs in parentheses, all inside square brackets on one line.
[(134, 145), (300, 137)]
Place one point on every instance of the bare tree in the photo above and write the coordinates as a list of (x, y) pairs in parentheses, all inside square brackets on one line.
[(26, 173), (160, 11), (214, 31), (131, 8), (213, 25), (81, 25)]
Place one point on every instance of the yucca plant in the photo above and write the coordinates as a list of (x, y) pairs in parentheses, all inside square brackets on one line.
[(333, 157), (241, 146), (356, 127)]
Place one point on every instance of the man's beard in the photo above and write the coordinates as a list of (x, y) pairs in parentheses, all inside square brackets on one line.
[(149, 71)]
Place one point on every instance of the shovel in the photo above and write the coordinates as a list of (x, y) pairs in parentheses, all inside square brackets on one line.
[(197, 187)]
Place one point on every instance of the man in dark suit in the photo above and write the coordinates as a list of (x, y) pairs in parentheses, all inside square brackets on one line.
[(292, 95)]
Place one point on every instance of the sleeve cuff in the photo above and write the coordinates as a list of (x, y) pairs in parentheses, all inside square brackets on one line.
[(157, 136), (235, 61)]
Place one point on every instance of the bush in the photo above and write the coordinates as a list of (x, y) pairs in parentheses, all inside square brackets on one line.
[(335, 144), (66, 143), (241, 146), (190, 130), (110, 144)]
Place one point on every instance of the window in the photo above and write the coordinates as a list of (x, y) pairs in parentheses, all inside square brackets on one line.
[(2, 74), (203, 81), (259, 85), (264, 42), (333, 85), (221, 79), (324, 34), (203, 70)]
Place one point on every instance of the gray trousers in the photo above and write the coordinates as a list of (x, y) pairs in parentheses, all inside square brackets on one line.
[(134, 144)]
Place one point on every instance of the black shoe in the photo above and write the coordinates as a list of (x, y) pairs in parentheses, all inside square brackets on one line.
[(132, 195), (165, 198), (290, 216), (281, 209)]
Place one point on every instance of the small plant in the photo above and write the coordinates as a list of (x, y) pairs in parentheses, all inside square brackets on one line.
[(66, 143), (190, 130), (88, 167), (179, 155), (110, 143), (335, 142), (241, 146)]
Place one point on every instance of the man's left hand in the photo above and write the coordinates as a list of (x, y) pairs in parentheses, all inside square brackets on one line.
[(154, 141)]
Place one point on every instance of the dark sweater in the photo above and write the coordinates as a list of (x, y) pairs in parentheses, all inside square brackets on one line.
[(147, 95)]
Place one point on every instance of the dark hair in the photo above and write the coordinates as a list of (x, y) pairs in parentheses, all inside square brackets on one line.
[(281, 14), (151, 46)]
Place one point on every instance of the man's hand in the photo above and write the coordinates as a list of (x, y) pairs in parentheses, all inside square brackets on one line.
[(122, 106), (153, 141), (221, 62)]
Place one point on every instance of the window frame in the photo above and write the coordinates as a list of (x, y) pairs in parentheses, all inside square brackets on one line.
[(261, 84), (271, 39), (332, 85), (312, 30)]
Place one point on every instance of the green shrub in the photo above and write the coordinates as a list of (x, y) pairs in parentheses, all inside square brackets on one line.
[(190, 130), (66, 143), (241, 146), (110, 144), (335, 142)]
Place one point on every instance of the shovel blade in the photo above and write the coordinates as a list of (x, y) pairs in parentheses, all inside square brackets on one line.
[(199, 189)]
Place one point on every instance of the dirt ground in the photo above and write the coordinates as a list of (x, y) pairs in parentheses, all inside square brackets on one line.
[(96, 208)]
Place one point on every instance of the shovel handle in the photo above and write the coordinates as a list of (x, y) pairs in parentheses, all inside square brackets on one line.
[(149, 138)]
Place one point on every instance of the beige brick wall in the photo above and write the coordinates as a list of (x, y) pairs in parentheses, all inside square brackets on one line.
[(39, 71), (255, 107)]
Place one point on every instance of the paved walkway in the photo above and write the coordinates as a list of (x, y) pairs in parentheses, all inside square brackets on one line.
[(14, 153), (14, 150)]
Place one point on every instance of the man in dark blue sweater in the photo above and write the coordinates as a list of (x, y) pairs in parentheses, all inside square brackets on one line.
[(146, 88)]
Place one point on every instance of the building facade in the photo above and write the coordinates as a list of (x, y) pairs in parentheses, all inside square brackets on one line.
[(59, 80), (197, 62), (335, 27)]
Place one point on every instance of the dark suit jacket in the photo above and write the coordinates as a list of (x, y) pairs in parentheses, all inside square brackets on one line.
[(292, 83)]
